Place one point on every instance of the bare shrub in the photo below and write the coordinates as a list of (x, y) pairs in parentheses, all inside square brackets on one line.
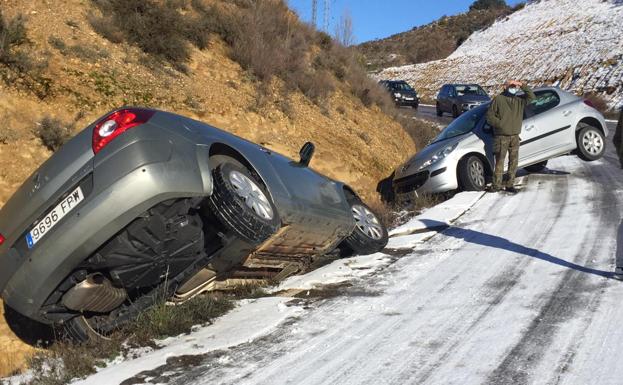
[(53, 133), (158, 28)]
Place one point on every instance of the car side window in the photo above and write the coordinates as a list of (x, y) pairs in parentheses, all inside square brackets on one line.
[(451, 92), (545, 101)]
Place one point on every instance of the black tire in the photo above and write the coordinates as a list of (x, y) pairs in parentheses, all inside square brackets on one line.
[(591, 143), (415, 106), (471, 174), (439, 112), (537, 167), (360, 242), (232, 210), (455, 111)]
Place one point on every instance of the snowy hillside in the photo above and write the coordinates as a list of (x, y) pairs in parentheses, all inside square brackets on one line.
[(576, 45)]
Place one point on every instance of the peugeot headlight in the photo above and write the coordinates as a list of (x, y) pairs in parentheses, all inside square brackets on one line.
[(397, 95), (439, 155)]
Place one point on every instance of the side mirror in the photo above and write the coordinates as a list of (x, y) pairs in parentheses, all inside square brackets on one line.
[(306, 153)]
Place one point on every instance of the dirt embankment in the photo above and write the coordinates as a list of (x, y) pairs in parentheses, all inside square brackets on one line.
[(88, 75)]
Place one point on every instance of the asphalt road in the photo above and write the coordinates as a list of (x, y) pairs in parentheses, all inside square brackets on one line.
[(517, 291)]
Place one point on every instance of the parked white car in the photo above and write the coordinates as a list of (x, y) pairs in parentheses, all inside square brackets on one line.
[(461, 156)]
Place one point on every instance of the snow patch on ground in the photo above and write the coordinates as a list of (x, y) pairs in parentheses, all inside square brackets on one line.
[(251, 320), (440, 215), (338, 271)]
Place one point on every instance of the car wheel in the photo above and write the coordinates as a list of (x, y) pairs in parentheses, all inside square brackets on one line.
[(439, 112), (455, 111), (241, 203), (415, 106), (591, 143), (369, 235), (537, 167), (471, 173)]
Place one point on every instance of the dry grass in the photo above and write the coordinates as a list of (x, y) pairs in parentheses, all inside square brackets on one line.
[(65, 360)]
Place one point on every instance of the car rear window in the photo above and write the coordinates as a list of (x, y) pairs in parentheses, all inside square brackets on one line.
[(470, 90)]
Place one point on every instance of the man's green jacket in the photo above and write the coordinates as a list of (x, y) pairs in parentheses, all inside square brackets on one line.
[(505, 113)]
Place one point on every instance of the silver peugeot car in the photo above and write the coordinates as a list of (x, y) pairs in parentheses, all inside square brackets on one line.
[(461, 156)]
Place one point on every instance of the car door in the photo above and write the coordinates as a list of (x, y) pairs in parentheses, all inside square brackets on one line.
[(451, 98), (554, 120), (545, 132)]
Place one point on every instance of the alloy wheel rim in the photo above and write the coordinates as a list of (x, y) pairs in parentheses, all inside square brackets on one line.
[(252, 195), (477, 173), (593, 142), (367, 222)]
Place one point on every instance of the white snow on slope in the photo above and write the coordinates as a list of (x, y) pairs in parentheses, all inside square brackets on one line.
[(576, 45), (245, 323)]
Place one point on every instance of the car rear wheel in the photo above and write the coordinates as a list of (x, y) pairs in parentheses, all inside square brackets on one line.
[(591, 143), (537, 167), (241, 203), (471, 174), (439, 111), (370, 235), (455, 111)]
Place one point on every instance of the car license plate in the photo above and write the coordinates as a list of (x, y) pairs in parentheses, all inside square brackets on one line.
[(408, 98), (53, 217)]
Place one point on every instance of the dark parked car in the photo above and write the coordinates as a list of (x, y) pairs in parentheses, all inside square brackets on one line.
[(143, 204), (401, 92), (458, 98)]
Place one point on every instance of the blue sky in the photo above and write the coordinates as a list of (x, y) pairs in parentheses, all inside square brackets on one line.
[(373, 19)]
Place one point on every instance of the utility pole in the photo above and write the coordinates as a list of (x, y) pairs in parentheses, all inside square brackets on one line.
[(314, 12), (325, 25)]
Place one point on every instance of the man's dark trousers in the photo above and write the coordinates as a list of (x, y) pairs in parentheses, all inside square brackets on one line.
[(503, 144)]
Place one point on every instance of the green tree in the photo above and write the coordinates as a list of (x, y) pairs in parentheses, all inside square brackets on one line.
[(487, 4)]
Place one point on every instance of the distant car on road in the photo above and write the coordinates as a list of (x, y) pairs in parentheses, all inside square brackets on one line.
[(461, 156), (458, 98), (145, 204), (401, 92)]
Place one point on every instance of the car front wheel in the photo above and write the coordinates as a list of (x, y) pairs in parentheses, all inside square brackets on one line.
[(455, 111), (369, 235), (471, 174), (439, 111), (591, 143)]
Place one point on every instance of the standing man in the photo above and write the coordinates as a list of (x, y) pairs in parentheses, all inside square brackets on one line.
[(505, 115), (618, 137)]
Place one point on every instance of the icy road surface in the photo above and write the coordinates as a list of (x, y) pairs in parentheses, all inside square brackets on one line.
[(517, 290)]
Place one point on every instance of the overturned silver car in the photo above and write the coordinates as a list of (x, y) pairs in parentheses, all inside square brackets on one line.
[(144, 202)]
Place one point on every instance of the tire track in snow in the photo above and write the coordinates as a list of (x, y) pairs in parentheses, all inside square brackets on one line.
[(573, 294), (502, 284)]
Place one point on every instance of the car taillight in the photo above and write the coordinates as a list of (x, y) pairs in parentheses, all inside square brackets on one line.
[(2, 239), (589, 103), (117, 123)]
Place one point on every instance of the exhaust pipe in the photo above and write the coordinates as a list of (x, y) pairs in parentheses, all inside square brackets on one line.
[(96, 294)]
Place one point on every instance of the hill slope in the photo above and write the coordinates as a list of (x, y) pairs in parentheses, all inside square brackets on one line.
[(430, 42), (575, 45)]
